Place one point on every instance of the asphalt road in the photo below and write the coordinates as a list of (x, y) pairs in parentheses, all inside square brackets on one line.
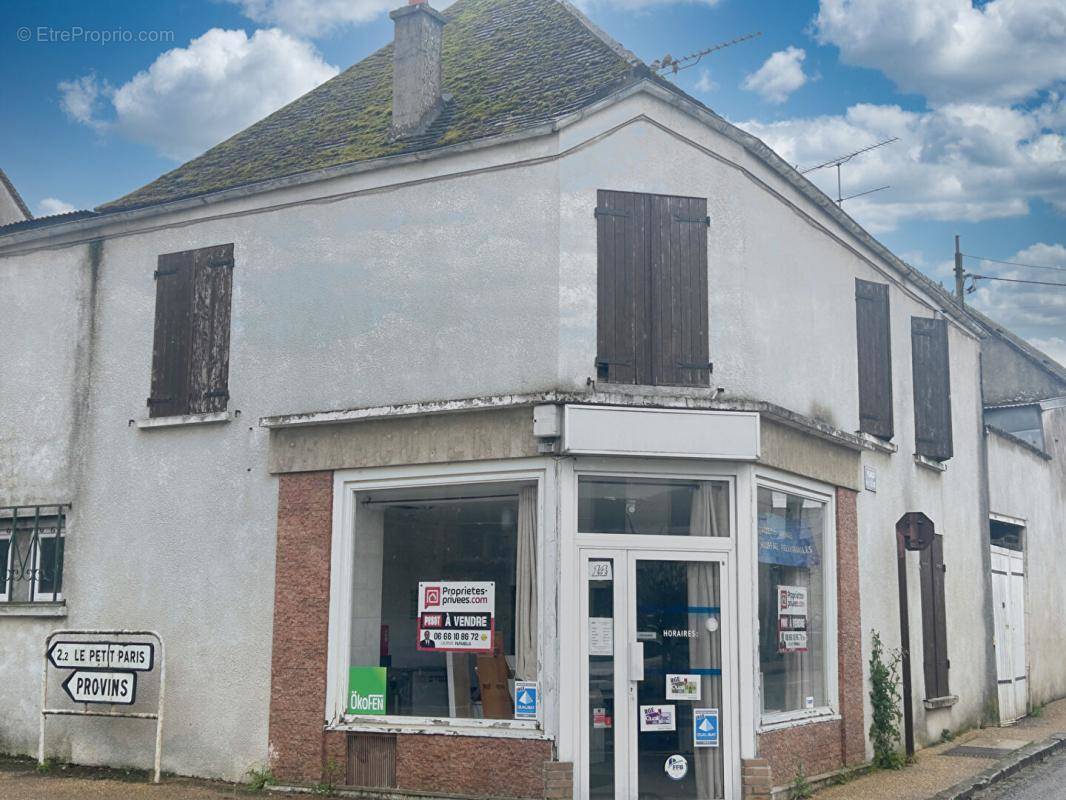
[(1045, 780)]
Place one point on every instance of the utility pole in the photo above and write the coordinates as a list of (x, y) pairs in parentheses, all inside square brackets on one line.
[(960, 274)]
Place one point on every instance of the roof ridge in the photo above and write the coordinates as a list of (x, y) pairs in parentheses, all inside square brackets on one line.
[(619, 49), (6, 181)]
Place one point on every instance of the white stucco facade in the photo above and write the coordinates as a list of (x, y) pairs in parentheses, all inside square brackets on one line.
[(467, 275)]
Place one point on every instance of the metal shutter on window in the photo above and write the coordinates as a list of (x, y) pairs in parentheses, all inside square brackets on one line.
[(873, 336), (932, 388)]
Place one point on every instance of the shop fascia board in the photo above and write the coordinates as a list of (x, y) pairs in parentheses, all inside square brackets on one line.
[(651, 397)]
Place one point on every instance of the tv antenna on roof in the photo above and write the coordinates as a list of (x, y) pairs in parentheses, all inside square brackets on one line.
[(675, 65), (837, 162)]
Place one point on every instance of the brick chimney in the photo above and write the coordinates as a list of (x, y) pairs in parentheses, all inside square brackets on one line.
[(416, 81)]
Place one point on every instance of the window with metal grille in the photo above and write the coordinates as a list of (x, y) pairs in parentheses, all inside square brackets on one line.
[(652, 316), (190, 353), (32, 542), (873, 338)]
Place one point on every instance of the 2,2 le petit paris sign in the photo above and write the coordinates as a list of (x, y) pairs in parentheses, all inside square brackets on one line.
[(104, 672)]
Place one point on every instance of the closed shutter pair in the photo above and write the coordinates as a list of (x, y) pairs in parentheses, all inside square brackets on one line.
[(652, 289), (190, 353), (930, 371)]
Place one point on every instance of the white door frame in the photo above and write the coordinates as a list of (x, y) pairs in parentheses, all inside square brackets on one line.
[(738, 641)]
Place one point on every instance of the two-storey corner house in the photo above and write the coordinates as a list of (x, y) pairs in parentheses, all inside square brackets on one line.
[(494, 420)]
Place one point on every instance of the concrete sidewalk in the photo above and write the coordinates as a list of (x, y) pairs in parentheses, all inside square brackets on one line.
[(936, 772)]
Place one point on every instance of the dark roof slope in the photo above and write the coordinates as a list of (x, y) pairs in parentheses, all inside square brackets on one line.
[(508, 64), (1038, 357), (7, 184)]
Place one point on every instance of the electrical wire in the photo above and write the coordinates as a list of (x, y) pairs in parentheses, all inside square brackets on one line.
[(1014, 263), (1015, 280)]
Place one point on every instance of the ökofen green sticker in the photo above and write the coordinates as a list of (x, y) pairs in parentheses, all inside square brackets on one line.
[(366, 690)]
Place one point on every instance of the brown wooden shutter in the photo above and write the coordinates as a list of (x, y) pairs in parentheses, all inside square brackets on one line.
[(623, 311), (170, 348), (209, 348), (190, 353), (934, 620), (678, 256), (652, 289), (932, 388), (873, 331)]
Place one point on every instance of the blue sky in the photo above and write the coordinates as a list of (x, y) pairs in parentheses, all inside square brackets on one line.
[(974, 93)]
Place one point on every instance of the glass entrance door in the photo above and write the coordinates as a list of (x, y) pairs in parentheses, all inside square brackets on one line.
[(657, 721)]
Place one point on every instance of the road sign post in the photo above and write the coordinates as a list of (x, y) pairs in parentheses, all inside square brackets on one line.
[(104, 672)]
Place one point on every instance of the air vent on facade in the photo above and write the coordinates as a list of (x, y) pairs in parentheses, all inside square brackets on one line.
[(372, 760)]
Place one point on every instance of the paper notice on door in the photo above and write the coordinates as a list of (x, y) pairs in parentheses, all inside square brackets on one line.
[(601, 636), (657, 718)]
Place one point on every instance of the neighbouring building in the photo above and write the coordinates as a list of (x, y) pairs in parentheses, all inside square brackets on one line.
[(498, 420)]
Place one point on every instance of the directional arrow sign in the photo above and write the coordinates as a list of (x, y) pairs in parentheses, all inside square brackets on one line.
[(110, 688), (137, 656)]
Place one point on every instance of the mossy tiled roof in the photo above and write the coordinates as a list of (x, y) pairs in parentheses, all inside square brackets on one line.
[(508, 65)]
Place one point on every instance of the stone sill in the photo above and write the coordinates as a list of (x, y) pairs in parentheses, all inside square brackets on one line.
[(929, 463), (53, 610), (941, 702), (878, 444), (184, 419)]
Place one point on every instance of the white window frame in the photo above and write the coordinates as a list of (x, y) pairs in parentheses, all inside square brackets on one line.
[(346, 485), (45, 597), (823, 493)]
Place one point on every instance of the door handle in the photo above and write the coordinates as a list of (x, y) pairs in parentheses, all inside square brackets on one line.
[(636, 661)]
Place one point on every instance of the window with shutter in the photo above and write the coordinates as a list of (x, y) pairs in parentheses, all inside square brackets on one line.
[(934, 621), (190, 355), (652, 289), (932, 388), (873, 335)]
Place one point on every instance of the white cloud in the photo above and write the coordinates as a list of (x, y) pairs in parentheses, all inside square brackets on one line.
[(705, 83), (53, 205), (194, 97), (957, 162), (82, 98), (640, 5), (952, 50), (1034, 311), (779, 76)]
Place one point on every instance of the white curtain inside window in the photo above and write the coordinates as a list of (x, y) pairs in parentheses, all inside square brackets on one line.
[(526, 586), (705, 652)]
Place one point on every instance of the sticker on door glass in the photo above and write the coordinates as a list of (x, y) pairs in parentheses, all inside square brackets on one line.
[(525, 699), (456, 615), (791, 619), (682, 687), (705, 727), (657, 718), (601, 719), (601, 571), (676, 767), (601, 636)]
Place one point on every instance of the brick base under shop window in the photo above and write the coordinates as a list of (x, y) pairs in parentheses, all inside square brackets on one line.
[(755, 777)]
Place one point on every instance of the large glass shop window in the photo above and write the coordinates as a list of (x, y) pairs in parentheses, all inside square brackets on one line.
[(792, 657), (444, 601)]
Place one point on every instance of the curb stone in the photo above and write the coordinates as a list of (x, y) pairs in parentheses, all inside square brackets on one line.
[(1027, 755)]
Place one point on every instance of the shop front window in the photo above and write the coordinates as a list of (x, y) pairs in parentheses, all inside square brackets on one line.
[(792, 635), (443, 617)]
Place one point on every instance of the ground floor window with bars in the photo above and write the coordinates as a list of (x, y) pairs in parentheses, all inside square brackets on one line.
[(32, 542)]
